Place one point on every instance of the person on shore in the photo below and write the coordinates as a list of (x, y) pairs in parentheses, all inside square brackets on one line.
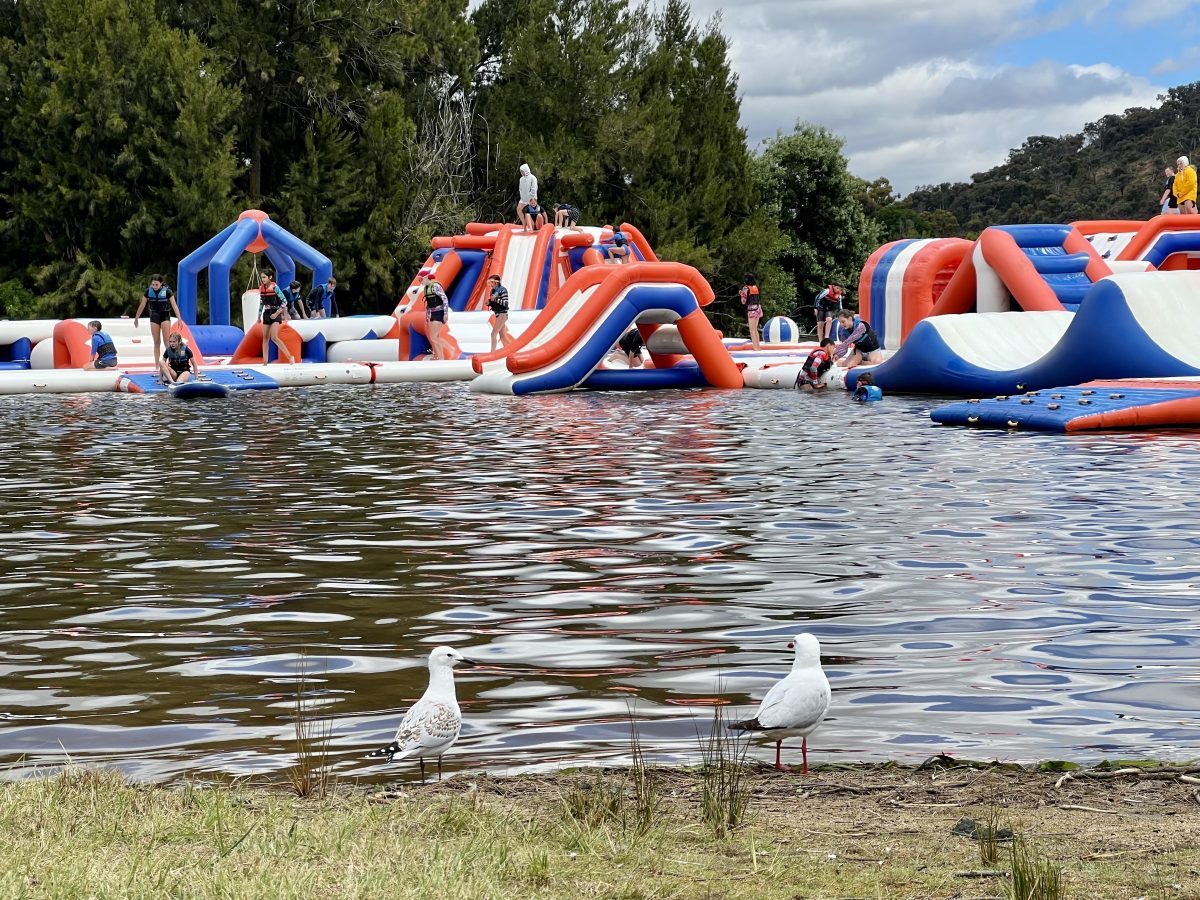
[(527, 191), (566, 216), (178, 363), (1167, 204), (498, 303), (861, 346), (161, 300), (618, 248), (319, 297), (752, 300), (811, 374), (436, 306), (1185, 186), (828, 302), (272, 307), (535, 216), (104, 351), (630, 346)]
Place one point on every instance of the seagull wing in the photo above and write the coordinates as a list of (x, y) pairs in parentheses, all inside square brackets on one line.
[(797, 703), (427, 726)]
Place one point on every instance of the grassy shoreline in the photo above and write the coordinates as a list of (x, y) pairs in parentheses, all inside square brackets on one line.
[(863, 831)]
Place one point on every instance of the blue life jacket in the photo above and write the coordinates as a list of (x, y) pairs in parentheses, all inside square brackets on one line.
[(105, 348), (162, 295)]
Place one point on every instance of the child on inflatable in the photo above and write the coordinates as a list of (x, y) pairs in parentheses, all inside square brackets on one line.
[(104, 351), (178, 363), (826, 304), (752, 300), (630, 345), (818, 363), (866, 391)]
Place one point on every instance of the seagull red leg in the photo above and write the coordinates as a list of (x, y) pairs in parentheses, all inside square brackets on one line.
[(804, 750), (778, 749)]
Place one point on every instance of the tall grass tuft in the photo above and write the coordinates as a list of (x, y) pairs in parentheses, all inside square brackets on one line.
[(1034, 877), (987, 834), (628, 801), (310, 776), (725, 782)]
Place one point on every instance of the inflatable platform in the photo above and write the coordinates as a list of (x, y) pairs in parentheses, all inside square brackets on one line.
[(1124, 404)]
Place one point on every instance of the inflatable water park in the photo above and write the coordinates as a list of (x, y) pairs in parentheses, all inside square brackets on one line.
[(570, 303), (1091, 325), (1084, 326)]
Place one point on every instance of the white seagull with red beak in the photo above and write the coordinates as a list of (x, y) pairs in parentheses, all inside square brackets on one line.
[(431, 725), (795, 705)]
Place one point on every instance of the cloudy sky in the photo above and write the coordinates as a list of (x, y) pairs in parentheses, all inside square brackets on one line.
[(925, 91)]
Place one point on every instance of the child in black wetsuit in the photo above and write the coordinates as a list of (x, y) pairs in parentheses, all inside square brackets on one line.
[(631, 345), (178, 363), (498, 304)]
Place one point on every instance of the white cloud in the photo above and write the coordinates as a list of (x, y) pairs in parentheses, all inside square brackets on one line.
[(909, 86)]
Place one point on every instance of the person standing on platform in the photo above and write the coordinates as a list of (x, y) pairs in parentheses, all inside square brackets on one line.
[(1185, 187), (498, 304), (272, 304), (527, 189), (317, 297), (161, 300)]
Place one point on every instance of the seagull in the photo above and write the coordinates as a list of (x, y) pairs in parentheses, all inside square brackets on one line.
[(797, 703), (431, 725)]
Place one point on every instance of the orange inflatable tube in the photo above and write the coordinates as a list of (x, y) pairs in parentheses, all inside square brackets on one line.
[(927, 277), (1150, 231), (639, 241), (250, 349), (1012, 265), (537, 264), (959, 293)]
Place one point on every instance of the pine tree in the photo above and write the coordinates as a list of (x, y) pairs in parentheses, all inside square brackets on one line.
[(117, 155)]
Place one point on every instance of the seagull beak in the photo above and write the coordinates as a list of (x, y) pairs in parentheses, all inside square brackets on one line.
[(465, 663)]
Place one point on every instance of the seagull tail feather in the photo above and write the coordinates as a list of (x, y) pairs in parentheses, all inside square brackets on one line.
[(389, 751), (747, 725)]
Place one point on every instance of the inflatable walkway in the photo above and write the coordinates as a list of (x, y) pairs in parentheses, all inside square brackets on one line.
[(1095, 406)]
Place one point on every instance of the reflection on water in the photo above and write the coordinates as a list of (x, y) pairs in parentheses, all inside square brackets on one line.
[(171, 571)]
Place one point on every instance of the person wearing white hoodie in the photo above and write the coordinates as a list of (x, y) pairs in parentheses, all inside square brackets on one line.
[(529, 190)]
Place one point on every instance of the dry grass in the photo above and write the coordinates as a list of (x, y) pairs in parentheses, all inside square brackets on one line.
[(866, 832)]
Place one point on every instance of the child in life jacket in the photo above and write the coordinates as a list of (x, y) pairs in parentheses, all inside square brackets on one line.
[(818, 363), (866, 391)]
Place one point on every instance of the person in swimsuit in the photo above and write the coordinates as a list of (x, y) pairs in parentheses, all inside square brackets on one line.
[(295, 306), (752, 300), (631, 345), (566, 216), (824, 306), (619, 248), (161, 300), (534, 216), (498, 303), (104, 351), (860, 346), (178, 363), (272, 307), (436, 305)]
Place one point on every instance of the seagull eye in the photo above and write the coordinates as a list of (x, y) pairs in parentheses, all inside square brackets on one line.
[(791, 645)]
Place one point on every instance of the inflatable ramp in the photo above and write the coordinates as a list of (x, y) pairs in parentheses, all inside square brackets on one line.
[(1092, 407), (1130, 325)]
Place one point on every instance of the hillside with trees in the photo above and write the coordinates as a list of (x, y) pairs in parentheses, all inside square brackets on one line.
[(1110, 170)]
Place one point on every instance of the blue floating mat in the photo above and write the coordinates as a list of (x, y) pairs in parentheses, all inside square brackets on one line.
[(233, 379), (191, 390), (1091, 407)]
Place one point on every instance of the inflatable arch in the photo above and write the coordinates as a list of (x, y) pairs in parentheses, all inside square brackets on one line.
[(253, 232)]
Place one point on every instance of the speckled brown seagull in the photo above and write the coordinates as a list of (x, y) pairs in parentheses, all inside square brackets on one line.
[(796, 704), (431, 725)]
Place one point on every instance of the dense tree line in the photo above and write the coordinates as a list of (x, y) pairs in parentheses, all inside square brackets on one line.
[(136, 129)]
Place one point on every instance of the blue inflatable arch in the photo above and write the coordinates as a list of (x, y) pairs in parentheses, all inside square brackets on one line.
[(253, 232)]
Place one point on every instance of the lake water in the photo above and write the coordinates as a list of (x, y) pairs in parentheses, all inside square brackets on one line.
[(169, 569)]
